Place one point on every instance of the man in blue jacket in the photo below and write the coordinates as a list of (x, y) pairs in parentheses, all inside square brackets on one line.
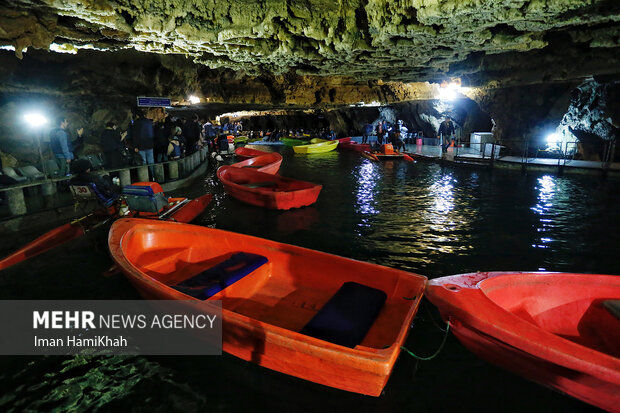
[(59, 143)]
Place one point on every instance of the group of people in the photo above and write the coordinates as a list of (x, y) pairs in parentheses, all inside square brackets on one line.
[(63, 147), (396, 134), (299, 133), (146, 141), (162, 140)]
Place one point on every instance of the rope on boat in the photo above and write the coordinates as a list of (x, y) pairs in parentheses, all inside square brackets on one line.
[(443, 342)]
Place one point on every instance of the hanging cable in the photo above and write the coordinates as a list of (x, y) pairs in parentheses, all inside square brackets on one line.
[(443, 342)]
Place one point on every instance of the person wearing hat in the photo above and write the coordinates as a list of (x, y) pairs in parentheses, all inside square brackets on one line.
[(81, 176)]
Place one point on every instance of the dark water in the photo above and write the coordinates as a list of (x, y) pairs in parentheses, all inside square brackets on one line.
[(420, 217)]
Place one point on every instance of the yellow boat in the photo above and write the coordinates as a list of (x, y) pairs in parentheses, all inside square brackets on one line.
[(316, 147)]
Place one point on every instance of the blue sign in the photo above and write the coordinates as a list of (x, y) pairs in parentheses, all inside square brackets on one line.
[(154, 102)]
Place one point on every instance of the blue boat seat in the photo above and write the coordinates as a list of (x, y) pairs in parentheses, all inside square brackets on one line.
[(215, 279), (143, 199), (346, 318)]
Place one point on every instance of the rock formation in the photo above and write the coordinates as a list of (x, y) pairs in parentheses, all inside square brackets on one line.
[(364, 40), (524, 58)]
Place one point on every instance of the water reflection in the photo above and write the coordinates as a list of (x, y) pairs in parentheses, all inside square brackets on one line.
[(546, 187), (368, 176)]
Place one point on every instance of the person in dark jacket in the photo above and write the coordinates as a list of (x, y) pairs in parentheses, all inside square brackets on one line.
[(446, 132), (103, 189), (367, 131), (141, 135), (112, 146), (59, 142), (160, 142), (191, 132)]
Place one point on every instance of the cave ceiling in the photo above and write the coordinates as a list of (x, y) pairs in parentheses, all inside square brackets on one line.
[(404, 41)]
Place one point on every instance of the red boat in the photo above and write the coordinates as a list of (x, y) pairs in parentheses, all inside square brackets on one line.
[(558, 329), (142, 199), (354, 146), (323, 318), (387, 152), (266, 190), (247, 153), (268, 163), (344, 140)]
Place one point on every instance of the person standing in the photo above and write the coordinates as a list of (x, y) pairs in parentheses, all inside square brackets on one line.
[(59, 142), (160, 142), (191, 132), (446, 133), (366, 132), (142, 135), (111, 146)]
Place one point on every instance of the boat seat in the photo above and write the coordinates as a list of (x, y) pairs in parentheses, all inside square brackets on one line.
[(10, 172), (88, 190), (215, 279), (613, 306), (346, 318), (143, 199), (31, 172)]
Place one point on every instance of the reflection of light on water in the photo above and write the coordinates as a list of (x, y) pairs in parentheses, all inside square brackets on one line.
[(443, 219), (443, 196), (546, 192), (368, 175)]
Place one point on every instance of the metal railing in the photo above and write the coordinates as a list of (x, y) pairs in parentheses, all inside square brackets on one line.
[(28, 197)]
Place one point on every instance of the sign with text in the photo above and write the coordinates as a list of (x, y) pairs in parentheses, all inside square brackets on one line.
[(154, 102), (111, 327)]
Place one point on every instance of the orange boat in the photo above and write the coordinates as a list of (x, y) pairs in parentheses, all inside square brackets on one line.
[(316, 316), (141, 199), (266, 190), (558, 329), (268, 163), (247, 153), (387, 152)]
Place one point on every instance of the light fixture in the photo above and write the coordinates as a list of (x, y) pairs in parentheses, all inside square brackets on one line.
[(449, 91), (193, 99), (553, 138), (35, 120)]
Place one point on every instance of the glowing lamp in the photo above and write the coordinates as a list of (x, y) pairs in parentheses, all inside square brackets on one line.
[(449, 91), (193, 99), (35, 120), (552, 138)]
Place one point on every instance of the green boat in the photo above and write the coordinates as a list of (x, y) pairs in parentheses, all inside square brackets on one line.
[(293, 142)]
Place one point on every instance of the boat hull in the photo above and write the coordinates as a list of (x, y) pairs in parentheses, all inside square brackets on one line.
[(268, 163), (294, 142), (281, 193), (185, 212), (247, 153), (264, 312), (549, 328), (320, 147), (353, 147)]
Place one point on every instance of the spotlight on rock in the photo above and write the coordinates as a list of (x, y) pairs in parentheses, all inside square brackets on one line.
[(35, 120), (553, 138), (450, 90)]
